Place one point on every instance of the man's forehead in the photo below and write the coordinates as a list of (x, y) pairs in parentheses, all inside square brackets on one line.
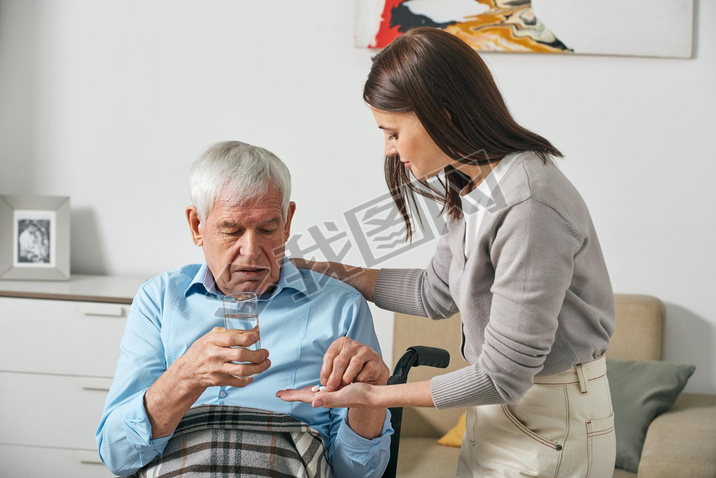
[(245, 214), (266, 207)]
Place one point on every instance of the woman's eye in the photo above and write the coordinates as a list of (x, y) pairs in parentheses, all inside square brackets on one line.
[(393, 136)]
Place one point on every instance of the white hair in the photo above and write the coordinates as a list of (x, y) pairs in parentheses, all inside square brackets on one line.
[(240, 173)]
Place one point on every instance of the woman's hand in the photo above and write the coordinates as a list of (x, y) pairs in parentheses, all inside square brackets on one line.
[(351, 396), (360, 278), (321, 267), (332, 269), (350, 371)]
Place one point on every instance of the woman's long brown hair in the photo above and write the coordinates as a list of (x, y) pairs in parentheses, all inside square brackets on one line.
[(447, 85)]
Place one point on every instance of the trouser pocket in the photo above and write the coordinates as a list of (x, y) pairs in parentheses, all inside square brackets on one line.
[(601, 447), (528, 432), (508, 446)]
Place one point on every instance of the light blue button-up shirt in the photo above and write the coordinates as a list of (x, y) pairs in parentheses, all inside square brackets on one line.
[(299, 318)]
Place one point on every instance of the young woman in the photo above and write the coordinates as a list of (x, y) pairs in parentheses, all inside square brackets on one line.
[(521, 262)]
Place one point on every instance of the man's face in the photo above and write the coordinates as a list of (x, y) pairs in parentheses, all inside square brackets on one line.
[(244, 245)]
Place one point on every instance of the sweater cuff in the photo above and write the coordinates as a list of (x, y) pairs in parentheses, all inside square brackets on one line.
[(467, 387), (399, 290)]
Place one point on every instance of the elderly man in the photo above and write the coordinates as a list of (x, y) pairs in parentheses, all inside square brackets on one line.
[(178, 368)]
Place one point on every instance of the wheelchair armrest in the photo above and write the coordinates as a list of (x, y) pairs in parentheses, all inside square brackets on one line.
[(416, 356), (413, 357)]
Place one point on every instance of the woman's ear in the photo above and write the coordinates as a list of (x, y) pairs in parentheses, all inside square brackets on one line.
[(195, 226)]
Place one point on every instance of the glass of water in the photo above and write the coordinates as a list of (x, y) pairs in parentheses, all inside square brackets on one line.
[(241, 312)]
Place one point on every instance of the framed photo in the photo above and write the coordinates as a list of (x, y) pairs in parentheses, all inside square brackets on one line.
[(34, 237)]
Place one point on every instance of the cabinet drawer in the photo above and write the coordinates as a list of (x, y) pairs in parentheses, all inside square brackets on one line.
[(29, 461), (61, 337), (51, 411)]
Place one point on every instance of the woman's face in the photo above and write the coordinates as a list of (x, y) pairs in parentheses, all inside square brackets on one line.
[(406, 137)]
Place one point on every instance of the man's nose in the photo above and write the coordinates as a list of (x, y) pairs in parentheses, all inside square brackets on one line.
[(249, 245)]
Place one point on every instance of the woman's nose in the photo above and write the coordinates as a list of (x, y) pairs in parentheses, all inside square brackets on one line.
[(390, 149)]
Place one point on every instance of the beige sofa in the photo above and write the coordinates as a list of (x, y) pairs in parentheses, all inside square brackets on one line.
[(679, 443)]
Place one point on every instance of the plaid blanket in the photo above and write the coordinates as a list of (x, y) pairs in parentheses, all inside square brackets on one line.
[(222, 441)]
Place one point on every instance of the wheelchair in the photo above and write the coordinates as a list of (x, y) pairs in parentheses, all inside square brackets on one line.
[(415, 356)]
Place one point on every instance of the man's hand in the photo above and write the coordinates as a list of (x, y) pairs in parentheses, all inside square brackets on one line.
[(209, 360), (347, 361), (207, 363)]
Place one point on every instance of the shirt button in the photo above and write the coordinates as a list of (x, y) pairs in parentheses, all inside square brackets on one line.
[(222, 394)]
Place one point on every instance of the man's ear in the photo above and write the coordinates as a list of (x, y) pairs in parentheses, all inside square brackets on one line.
[(195, 226), (289, 217)]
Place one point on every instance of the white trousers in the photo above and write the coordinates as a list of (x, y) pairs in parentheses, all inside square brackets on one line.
[(562, 427)]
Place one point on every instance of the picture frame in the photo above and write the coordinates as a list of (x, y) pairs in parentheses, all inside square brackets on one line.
[(573, 27), (34, 237)]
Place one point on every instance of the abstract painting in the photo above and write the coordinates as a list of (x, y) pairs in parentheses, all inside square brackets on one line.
[(662, 28)]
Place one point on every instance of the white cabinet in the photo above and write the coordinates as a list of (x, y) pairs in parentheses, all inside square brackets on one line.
[(60, 337), (30, 462), (59, 345)]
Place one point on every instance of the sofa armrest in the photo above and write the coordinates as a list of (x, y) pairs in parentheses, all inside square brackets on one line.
[(681, 442)]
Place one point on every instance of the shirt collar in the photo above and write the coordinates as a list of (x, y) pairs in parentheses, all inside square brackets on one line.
[(289, 278), (482, 195), (202, 282)]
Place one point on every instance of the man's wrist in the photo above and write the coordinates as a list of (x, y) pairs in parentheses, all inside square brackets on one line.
[(180, 378), (366, 421), (175, 385)]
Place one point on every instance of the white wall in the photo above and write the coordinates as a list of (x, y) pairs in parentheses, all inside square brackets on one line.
[(110, 102)]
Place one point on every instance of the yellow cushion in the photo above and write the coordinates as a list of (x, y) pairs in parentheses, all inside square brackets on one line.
[(454, 436)]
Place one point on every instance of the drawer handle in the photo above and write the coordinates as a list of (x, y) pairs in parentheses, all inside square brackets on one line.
[(89, 458), (99, 384), (104, 310)]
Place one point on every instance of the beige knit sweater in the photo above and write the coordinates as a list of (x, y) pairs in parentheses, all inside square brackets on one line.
[(534, 294)]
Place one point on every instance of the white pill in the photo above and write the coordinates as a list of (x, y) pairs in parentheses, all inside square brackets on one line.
[(323, 389), (315, 388)]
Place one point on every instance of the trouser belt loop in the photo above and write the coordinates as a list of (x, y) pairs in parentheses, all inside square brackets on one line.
[(582, 379)]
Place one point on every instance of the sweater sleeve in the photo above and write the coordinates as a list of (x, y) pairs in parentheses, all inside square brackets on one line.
[(418, 292), (533, 258)]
